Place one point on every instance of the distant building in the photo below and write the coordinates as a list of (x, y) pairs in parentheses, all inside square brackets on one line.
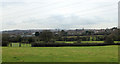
[(27, 35)]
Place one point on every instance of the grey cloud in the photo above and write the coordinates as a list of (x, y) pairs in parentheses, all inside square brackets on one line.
[(60, 21)]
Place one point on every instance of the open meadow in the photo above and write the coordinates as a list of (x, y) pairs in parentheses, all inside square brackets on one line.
[(60, 54)]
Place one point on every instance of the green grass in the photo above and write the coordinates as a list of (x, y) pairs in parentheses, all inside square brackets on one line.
[(60, 54), (84, 36), (92, 41)]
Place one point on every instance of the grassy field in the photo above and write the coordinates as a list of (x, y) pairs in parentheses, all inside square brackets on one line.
[(60, 54)]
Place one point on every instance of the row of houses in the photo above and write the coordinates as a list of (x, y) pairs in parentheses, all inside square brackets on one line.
[(31, 33)]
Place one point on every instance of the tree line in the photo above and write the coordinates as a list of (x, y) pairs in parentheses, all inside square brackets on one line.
[(47, 36)]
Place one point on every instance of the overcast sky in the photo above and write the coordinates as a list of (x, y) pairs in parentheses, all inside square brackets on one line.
[(58, 14)]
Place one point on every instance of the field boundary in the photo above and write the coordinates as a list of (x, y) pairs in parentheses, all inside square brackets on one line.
[(70, 44)]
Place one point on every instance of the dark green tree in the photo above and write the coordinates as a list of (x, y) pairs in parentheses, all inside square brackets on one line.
[(5, 39), (46, 36), (37, 33), (109, 40)]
